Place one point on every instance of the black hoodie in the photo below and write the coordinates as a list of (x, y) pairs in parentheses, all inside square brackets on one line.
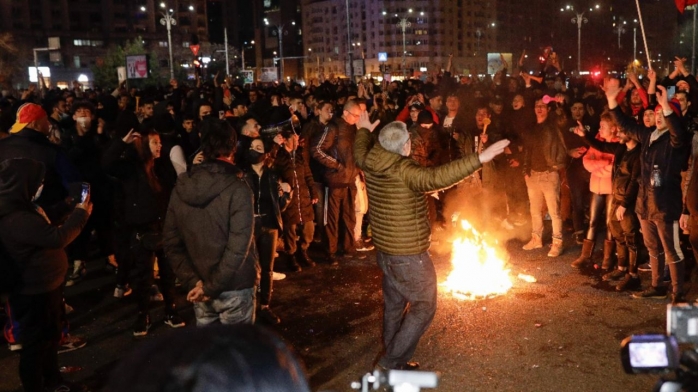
[(26, 235)]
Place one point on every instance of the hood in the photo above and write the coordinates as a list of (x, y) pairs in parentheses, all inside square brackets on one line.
[(380, 160), (19, 180), (205, 182)]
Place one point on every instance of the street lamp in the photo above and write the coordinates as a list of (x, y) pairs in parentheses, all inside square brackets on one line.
[(579, 20), (403, 24), (169, 21), (619, 30), (280, 32), (635, 39)]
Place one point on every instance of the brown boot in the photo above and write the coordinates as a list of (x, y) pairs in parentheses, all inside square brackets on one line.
[(585, 257), (609, 248)]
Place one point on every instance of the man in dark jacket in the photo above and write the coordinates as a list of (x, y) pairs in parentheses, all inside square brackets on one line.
[(298, 216), (29, 139), (663, 155), (209, 232), (36, 246), (334, 149), (396, 187)]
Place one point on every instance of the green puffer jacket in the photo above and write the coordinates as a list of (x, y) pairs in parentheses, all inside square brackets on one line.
[(396, 193)]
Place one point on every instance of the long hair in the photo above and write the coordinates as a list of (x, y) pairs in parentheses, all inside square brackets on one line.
[(146, 158)]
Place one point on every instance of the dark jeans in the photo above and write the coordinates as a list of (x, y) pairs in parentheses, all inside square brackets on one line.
[(599, 204), (409, 300), (659, 235), (627, 236), (266, 239), (292, 238), (578, 182), (340, 207), (40, 319), (136, 263)]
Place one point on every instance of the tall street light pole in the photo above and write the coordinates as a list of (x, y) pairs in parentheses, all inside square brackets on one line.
[(579, 20), (403, 24), (619, 30), (635, 40), (169, 21), (280, 33)]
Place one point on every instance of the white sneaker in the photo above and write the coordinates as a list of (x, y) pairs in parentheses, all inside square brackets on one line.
[(506, 225), (278, 276)]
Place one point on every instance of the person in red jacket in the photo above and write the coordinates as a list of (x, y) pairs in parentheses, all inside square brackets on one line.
[(600, 165)]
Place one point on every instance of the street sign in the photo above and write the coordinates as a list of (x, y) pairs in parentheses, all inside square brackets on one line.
[(195, 49), (382, 56), (359, 67), (137, 67)]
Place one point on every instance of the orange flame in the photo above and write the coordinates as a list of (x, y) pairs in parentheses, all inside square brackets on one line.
[(479, 271)]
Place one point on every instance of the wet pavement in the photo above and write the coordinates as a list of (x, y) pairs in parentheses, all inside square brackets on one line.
[(561, 333)]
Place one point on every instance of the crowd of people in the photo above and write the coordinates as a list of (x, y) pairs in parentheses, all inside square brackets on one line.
[(213, 182)]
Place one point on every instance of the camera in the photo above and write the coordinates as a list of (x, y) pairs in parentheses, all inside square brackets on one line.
[(397, 380), (660, 354)]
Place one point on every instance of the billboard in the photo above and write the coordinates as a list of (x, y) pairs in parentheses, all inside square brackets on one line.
[(247, 77), (137, 67), (494, 62), (269, 74)]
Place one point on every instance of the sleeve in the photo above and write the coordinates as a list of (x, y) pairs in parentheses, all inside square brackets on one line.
[(595, 162), (362, 147), (404, 114), (241, 234), (633, 187), (112, 162), (676, 130), (430, 179), (176, 250), (309, 181), (33, 229), (638, 132), (323, 144), (178, 160)]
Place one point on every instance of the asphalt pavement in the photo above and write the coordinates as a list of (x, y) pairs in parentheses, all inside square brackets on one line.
[(561, 333)]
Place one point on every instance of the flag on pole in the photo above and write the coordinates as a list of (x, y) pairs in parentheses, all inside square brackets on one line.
[(682, 4)]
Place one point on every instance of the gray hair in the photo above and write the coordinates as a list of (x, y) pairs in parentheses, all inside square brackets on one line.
[(394, 136)]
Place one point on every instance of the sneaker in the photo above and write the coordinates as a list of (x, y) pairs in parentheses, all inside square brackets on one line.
[(535, 243), (332, 260), (122, 291), (66, 386), (616, 274), (14, 346), (277, 276), (142, 325), (155, 294), (629, 283), (644, 267), (363, 246), (651, 292), (266, 315), (71, 343), (354, 256), (506, 225), (79, 270), (677, 298), (173, 320)]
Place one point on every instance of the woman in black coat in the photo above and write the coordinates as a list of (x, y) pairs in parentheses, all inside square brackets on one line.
[(141, 212)]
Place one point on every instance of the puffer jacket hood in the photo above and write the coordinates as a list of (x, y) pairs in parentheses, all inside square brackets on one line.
[(206, 182), (20, 178)]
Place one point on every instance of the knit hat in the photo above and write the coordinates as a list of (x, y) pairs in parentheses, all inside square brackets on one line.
[(27, 113), (675, 106)]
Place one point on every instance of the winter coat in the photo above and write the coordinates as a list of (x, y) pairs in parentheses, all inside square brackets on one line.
[(669, 153), (333, 148), (295, 171), (268, 182), (60, 173), (396, 194), (209, 229), (27, 236), (426, 149), (600, 165), (626, 171)]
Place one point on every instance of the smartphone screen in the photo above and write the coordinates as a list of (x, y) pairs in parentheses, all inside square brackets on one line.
[(84, 192)]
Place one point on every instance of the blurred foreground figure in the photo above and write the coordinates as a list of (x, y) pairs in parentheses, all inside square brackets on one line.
[(213, 358)]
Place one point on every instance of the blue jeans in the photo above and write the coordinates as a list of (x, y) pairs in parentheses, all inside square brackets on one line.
[(409, 300), (231, 307)]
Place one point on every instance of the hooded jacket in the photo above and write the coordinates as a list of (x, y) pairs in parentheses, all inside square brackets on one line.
[(396, 194), (208, 233), (27, 236), (333, 149)]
